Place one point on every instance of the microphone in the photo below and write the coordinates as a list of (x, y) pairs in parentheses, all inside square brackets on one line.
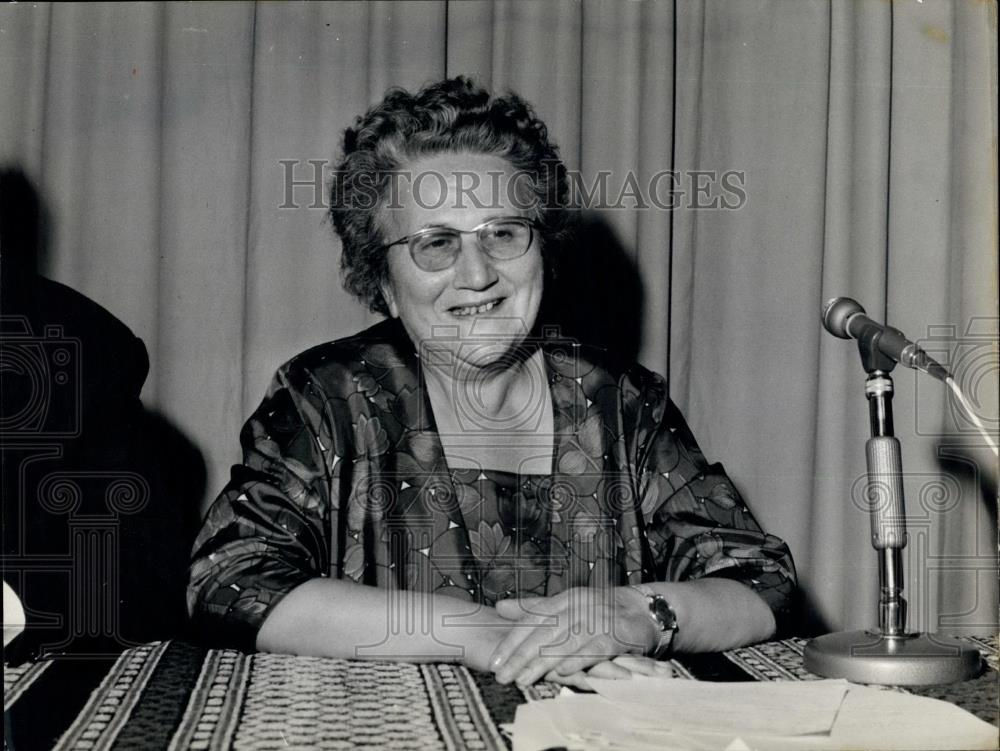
[(845, 318)]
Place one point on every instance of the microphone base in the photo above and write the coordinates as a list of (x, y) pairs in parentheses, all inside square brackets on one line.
[(904, 660)]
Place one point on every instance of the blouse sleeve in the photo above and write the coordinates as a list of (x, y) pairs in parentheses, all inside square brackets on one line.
[(696, 522), (263, 536)]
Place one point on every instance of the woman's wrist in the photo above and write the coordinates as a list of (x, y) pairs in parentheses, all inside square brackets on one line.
[(635, 602), (715, 614), (661, 614)]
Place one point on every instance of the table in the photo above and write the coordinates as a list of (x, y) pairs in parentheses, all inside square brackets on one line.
[(174, 695)]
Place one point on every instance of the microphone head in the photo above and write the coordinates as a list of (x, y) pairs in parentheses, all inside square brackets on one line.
[(837, 312)]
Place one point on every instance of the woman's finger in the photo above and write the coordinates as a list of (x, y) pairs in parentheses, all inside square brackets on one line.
[(569, 661), (609, 669), (520, 632), (536, 655), (531, 617), (639, 665), (597, 649), (509, 644), (576, 680)]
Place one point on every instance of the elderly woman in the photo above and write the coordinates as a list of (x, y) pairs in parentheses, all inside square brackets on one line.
[(458, 482)]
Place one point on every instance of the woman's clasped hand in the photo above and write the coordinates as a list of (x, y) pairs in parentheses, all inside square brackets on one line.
[(571, 632)]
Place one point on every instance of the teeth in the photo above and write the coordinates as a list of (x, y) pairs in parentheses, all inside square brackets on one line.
[(475, 309)]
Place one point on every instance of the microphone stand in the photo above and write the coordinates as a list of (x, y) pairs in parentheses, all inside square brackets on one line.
[(888, 655)]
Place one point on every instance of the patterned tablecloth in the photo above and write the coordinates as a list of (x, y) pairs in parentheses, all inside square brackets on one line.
[(173, 695)]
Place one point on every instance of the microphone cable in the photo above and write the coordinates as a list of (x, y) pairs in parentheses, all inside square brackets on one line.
[(970, 413)]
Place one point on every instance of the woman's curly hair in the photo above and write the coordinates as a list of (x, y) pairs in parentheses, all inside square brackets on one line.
[(451, 116)]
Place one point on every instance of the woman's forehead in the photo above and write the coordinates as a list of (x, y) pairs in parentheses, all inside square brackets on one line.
[(462, 179), (458, 190)]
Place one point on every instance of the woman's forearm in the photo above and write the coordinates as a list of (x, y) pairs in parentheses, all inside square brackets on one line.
[(334, 618), (716, 614)]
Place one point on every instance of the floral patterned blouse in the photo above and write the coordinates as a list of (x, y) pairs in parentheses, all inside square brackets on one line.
[(344, 475), (511, 545)]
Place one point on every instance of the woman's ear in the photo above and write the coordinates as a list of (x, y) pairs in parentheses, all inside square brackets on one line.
[(390, 298)]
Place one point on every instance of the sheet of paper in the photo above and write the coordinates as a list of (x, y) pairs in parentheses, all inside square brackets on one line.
[(13, 615), (876, 719), (588, 721), (532, 730), (780, 708), (868, 718)]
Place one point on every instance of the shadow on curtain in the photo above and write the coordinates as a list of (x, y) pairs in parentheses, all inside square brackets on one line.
[(97, 528)]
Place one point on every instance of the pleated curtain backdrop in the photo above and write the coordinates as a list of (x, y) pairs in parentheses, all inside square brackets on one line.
[(162, 138)]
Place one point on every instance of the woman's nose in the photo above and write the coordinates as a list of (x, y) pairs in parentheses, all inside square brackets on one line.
[(473, 268)]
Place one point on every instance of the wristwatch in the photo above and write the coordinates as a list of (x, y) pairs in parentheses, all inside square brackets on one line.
[(664, 617)]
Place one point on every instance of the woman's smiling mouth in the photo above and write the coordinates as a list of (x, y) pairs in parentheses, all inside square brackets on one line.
[(471, 310)]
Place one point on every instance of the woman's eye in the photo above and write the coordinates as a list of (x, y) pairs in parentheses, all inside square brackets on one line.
[(501, 234), (435, 242)]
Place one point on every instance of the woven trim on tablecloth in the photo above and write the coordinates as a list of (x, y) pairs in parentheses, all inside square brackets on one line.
[(680, 671), (211, 715), (541, 690), (17, 680), (773, 661), (501, 699), (104, 715), (462, 716), (439, 705), (324, 703)]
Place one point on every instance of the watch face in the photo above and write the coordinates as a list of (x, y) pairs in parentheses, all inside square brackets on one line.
[(663, 613)]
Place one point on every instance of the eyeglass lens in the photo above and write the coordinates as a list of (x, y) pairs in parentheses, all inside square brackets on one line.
[(437, 249)]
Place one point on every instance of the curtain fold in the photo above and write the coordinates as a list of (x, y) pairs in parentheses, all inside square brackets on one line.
[(942, 271), (852, 262), (182, 152)]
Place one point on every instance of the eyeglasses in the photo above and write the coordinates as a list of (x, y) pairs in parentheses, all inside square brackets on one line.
[(502, 239)]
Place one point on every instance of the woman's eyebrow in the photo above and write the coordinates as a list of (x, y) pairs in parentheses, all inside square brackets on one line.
[(442, 225), (490, 218)]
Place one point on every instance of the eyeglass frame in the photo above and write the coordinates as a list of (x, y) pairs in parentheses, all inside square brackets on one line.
[(532, 224)]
